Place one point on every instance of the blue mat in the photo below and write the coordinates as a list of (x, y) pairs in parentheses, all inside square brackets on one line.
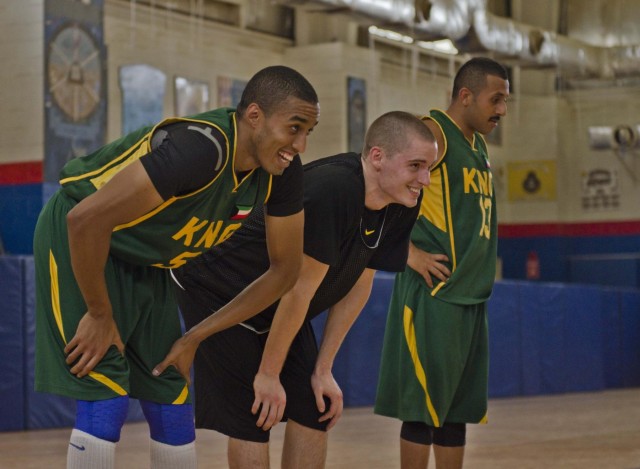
[(12, 386)]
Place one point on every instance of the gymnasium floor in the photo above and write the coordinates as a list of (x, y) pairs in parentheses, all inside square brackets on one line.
[(572, 431)]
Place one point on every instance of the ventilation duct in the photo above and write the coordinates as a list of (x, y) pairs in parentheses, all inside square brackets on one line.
[(468, 23)]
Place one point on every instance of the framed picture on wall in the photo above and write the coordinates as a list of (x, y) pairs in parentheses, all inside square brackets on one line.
[(230, 91), (600, 189), (143, 88), (191, 96), (75, 76), (356, 113), (532, 181)]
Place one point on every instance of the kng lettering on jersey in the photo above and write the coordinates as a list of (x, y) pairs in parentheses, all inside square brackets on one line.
[(478, 182), (201, 234)]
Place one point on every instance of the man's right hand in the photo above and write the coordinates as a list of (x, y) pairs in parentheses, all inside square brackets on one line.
[(271, 400), (94, 336)]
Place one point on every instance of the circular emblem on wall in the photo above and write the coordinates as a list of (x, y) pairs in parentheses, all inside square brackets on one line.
[(74, 72)]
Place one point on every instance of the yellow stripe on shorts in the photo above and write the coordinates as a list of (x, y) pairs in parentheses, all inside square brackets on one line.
[(182, 397), (115, 387), (410, 336), (57, 313), (55, 294)]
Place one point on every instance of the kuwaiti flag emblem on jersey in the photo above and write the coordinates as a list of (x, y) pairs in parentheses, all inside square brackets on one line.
[(242, 211)]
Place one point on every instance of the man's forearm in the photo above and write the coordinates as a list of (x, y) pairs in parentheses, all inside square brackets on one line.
[(287, 321), (341, 317)]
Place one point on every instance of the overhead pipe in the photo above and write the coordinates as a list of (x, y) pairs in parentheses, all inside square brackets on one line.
[(461, 19)]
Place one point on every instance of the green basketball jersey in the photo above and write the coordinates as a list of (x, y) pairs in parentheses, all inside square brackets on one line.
[(183, 226), (458, 217)]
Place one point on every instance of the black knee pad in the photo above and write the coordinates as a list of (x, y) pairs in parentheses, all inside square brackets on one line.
[(450, 434), (417, 432)]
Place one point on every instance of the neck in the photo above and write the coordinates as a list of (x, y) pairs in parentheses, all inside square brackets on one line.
[(374, 198), (456, 115), (245, 152)]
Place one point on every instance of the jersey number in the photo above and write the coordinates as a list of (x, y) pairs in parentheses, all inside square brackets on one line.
[(485, 208)]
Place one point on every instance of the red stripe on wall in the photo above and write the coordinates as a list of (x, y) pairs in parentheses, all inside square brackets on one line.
[(21, 173), (609, 228)]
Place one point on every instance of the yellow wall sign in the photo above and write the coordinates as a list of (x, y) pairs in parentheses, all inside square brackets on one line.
[(532, 180)]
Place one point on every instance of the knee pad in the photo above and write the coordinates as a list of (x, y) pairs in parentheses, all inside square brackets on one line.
[(417, 432), (450, 434), (102, 419), (170, 424)]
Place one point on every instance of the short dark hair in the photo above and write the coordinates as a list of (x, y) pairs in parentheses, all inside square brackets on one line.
[(271, 86), (473, 75), (391, 131)]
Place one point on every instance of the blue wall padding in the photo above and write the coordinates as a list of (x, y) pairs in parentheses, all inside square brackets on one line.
[(505, 360), (615, 270), (551, 255), (630, 326), (562, 338), (20, 206), (365, 344), (357, 362), (612, 338), (544, 338), (12, 385), (531, 334), (583, 338), (557, 252)]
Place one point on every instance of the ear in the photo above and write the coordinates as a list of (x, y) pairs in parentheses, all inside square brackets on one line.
[(465, 96), (375, 157), (253, 114)]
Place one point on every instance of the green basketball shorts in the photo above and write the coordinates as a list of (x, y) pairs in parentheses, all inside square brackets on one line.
[(434, 366), (144, 309)]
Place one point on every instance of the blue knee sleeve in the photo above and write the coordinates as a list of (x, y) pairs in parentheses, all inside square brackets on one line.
[(102, 419), (170, 424)]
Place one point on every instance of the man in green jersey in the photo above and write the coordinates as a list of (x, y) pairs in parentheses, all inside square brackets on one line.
[(434, 369), (128, 213)]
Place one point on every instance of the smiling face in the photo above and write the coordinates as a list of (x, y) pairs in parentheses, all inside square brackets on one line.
[(403, 175), (283, 134), (485, 108)]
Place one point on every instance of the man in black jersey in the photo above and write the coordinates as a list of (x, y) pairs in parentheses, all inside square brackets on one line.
[(359, 211), (106, 311)]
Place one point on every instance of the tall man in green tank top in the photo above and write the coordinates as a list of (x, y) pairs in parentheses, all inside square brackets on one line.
[(434, 370), (125, 215)]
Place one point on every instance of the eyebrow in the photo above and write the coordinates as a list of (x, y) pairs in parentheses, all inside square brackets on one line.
[(303, 120), (417, 160)]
